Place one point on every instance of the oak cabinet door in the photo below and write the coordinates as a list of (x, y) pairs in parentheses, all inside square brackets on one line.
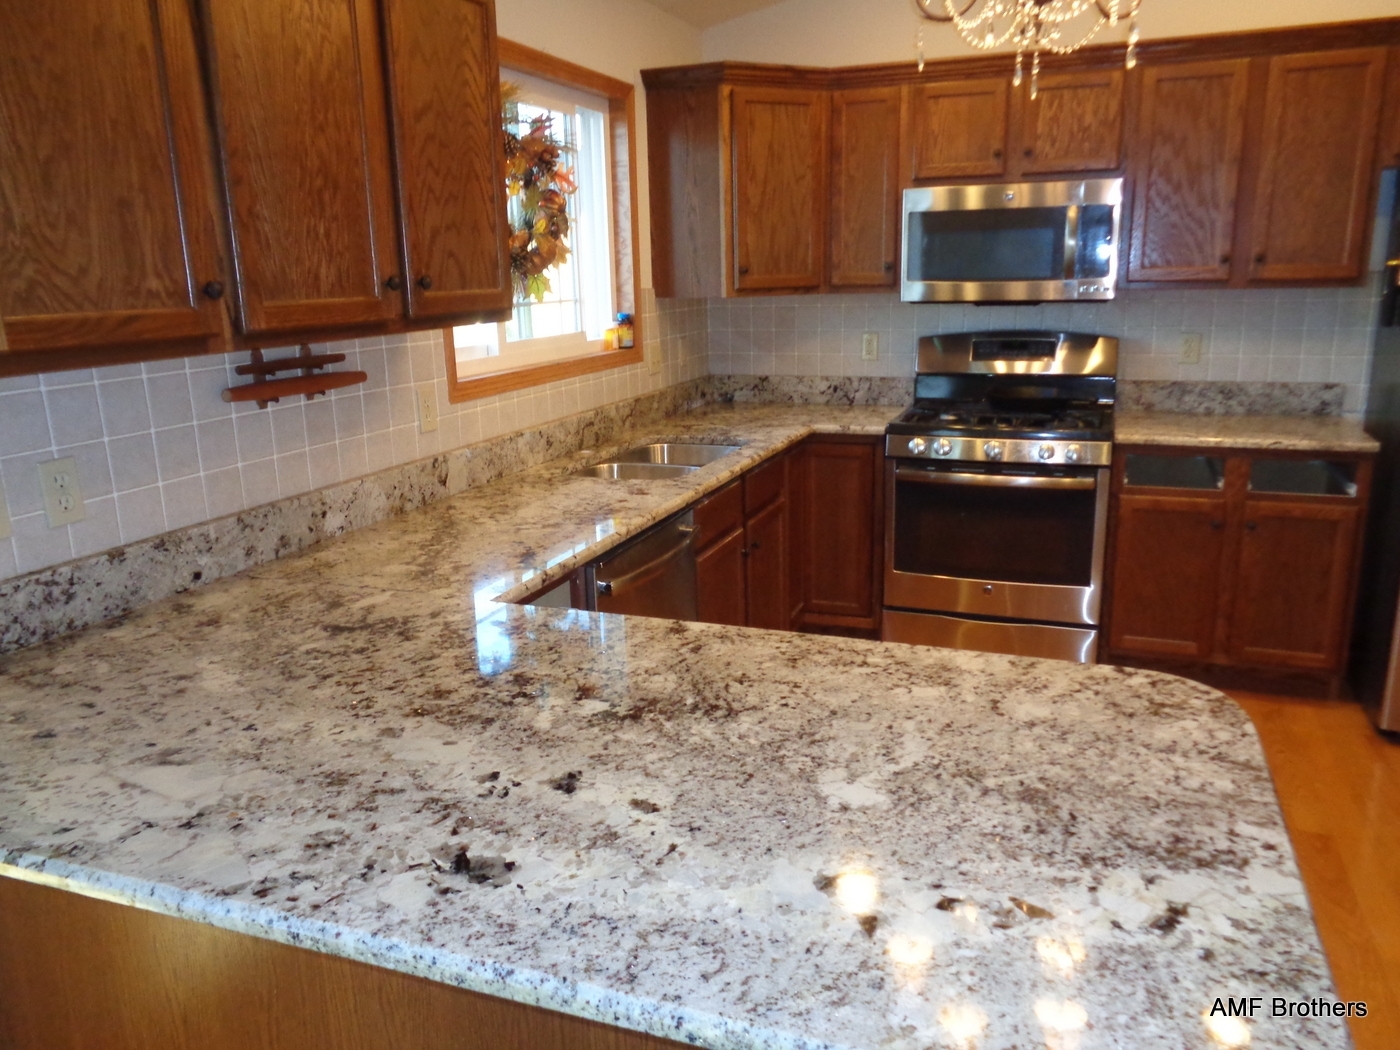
[(1075, 123), (864, 188), (1167, 574), (1187, 170), (304, 146), (445, 94), (1312, 203), (959, 128), (1293, 584), (779, 158), (107, 226), (720, 581), (840, 536), (767, 558)]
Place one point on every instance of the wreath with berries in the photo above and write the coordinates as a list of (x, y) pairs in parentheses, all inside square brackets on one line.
[(539, 186)]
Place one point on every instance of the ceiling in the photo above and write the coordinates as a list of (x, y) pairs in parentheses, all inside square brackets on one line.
[(705, 13)]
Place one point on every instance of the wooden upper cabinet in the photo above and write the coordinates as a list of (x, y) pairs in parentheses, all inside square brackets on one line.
[(958, 128), (107, 234), (1390, 114), (865, 190), (1295, 574), (1312, 208), (445, 94), (304, 146), (1186, 169), (1075, 123), (779, 147)]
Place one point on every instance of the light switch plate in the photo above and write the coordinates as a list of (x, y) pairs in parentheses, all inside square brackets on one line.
[(870, 346), (4, 518), (427, 409), (1192, 344), (652, 353), (63, 497)]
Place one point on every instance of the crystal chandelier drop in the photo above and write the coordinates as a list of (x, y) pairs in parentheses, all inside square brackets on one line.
[(1036, 26)]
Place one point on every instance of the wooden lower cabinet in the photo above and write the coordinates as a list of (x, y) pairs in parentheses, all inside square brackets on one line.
[(842, 541), (741, 564), (767, 568), (84, 974), (719, 581), (1256, 569), (1167, 575)]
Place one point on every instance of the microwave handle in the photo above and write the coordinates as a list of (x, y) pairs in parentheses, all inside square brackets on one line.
[(1072, 242), (1018, 481)]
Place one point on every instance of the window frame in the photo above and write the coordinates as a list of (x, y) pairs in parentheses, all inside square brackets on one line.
[(622, 116)]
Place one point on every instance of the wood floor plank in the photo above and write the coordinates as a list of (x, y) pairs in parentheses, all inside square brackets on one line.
[(1338, 783)]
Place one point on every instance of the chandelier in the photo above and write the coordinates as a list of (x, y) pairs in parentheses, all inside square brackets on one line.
[(1036, 26)]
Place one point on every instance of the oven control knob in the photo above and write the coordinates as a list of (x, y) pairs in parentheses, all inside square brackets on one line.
[(943, 447), (1046, 451), (1073, 453), (992, 449), (917, 446)]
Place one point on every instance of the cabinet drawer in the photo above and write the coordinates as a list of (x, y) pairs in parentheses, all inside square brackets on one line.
[(764, 484), (719, 515)]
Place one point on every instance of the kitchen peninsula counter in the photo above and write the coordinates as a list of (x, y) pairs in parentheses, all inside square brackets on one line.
[(723, 836)]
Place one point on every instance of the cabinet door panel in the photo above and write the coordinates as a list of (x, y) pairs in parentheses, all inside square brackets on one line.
[(106, 220), (1187, 170), (779, 159), (1166, 575), (720, 581), (840, 540), (1294, 576), (1312, 204), (959, 128), (444, 84), (304, 147), (1075, 123), (768, 568), (864, 187)]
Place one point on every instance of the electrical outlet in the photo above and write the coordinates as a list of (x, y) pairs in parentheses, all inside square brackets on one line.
[(652, 353), (870, 346), (63, 498), (1191, 344), (4, 518), (427, 409)]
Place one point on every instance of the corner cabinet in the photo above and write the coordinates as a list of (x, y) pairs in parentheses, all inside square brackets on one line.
[(107, 224), (865, 188), (1237, 559), (742, 550)]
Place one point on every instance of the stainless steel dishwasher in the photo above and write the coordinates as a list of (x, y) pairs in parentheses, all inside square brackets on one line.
[(652, 575)]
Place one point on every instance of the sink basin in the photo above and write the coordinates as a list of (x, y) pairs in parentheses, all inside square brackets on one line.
[(644, 471), (691, 455)]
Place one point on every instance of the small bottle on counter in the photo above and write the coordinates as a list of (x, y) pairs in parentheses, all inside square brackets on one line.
[(626, 332)]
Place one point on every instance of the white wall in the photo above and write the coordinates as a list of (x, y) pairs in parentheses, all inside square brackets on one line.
[(852, 32), (616, 37)]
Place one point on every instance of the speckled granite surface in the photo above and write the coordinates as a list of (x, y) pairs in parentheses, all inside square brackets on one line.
[(1291, 433), (729, 837), (1224, 398)]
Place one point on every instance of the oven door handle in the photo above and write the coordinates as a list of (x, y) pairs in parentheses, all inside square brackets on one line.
[(1017, 481)]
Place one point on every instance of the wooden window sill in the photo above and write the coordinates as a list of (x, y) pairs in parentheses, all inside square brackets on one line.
[(478, 386)]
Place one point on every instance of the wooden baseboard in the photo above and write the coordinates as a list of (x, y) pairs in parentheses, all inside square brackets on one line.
[(83, 974)]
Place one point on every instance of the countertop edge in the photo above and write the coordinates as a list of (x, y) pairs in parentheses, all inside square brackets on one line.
[(527, 987)]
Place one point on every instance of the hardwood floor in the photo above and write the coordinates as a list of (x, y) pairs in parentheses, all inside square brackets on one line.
[(1338, 781)]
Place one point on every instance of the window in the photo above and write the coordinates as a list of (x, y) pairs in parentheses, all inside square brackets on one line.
[(562, 334)]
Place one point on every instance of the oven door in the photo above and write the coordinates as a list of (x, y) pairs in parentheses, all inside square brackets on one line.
[(1013, 543)]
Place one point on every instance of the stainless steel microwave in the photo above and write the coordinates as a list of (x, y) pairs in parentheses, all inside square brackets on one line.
[(1011, 242)]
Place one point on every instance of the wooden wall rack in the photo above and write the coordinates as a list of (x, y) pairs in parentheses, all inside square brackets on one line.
[(311, 382)]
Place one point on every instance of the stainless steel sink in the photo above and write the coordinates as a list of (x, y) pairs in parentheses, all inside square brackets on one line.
[(690, 455), (644, 471)]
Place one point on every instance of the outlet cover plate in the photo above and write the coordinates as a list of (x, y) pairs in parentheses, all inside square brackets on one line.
[(63, 497), (427, 409), (870, 346), (4, 518), (1192, 345)]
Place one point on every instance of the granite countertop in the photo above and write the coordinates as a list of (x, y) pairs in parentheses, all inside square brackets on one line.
[(729, 837), (1284, 433)]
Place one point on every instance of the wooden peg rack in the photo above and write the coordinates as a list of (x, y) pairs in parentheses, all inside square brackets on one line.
[(311, 382)]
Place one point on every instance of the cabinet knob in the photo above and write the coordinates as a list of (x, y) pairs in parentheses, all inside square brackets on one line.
[(1259, 259), (997, 154), (888, 266), (744, 552), (1251, 525), (1217, 525), (754, 545), (743, 270), (393, 283), (1028, 152), (604, 588), (425, 282), (1224, 260), (214, 290)]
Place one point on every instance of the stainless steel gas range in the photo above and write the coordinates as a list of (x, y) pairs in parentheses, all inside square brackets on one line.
[(997, 483)]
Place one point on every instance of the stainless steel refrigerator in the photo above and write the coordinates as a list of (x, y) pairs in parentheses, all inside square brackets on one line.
[(1376, 652)]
